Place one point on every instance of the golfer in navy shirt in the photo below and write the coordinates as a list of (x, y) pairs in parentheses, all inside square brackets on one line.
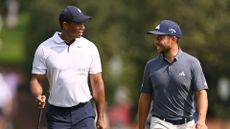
[(170, 83)]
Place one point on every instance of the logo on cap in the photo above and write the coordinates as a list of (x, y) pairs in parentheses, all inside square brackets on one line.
[(79, 10), (158, 27), (172, 30)]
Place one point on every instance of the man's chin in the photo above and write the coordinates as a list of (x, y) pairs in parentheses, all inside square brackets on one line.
[(78, 36), (159, 51)]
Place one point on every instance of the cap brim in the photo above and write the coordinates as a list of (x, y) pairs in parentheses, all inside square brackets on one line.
[(155, 32), (82, 18)]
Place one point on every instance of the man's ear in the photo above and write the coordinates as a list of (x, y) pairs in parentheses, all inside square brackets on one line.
[(65, 25), (175, 39)]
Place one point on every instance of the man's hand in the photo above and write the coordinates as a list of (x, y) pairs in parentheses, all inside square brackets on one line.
[(41, 101), (101, 124), (200, 125)]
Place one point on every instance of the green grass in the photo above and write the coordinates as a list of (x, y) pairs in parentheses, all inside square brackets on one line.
[(12, 45)]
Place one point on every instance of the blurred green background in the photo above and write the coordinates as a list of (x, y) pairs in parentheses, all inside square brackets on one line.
[(118, 29)]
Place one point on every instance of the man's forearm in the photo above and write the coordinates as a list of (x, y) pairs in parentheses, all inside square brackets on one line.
[(143, 109), (98, 92), (202, 105), (100, 105), (36, 84), (36, 88), (37, 91), (100, 101)]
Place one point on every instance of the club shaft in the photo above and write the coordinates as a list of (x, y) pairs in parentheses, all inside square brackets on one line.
[(39, 118)]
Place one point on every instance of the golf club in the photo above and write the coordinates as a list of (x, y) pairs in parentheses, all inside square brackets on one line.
[(39, 119)]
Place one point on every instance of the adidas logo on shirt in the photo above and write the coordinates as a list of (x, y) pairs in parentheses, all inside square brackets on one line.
[(182, 74)]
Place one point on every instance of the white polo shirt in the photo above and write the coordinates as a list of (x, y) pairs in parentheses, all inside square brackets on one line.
[(67, 69)]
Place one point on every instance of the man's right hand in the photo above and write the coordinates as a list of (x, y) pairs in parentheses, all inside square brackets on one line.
[(41, 101)]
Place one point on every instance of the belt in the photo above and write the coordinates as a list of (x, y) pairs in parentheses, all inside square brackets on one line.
[(176, 122), (73, 107)]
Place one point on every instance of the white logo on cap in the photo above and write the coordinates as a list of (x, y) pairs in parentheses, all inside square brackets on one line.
[(158, 27), (172, 30), (79, 10)]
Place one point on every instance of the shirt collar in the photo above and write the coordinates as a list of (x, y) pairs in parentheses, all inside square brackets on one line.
[(57, 38), (178, 56)]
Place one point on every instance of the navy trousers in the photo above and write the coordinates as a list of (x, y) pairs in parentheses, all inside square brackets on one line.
[(81, 116)]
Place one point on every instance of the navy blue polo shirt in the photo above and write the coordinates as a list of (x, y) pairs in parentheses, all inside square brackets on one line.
[(173, 85)]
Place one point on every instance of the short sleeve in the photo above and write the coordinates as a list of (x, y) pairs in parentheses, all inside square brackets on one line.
[(95, 66), (39, 65), (146, 83), (198, 78)]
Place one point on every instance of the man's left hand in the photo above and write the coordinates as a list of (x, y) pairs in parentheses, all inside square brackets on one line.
[(200, 125), (101, 123)]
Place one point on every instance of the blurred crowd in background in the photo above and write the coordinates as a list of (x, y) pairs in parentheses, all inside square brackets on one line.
[(9, 77), (9, 81)]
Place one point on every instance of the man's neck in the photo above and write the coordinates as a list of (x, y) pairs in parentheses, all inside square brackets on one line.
[(67, 40), (171, 54)]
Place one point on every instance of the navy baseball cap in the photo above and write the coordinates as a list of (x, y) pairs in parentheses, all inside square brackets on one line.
[(167, 27), (73, 14)]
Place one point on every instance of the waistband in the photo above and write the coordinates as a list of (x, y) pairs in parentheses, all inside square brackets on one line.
[(176, 122), (73, 107)]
